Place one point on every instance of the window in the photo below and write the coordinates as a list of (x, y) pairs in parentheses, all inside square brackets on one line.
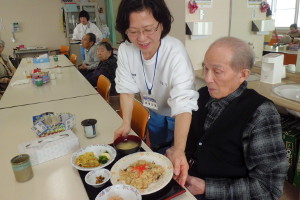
[(285, 12)]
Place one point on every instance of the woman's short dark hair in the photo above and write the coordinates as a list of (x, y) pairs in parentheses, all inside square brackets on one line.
[(92, 37), (107, 46), (85, 14), (158, 8)]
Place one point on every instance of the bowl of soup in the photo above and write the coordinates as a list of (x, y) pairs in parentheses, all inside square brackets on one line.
[(128, 144)]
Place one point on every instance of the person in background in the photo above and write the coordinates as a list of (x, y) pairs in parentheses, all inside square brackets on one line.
[(85, 27), (92, 60), (294, 32), (157, 66), (7, 70), (235, 147), (107, 66)]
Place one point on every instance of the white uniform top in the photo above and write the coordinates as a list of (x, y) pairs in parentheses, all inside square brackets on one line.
[(80, 30), (173, 88)]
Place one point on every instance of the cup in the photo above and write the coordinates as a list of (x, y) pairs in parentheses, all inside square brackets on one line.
[(291, 67), (52, 76), (28, 60), (55, 58), (58, 70), (89, 127), (38, 81), (22, 167), (27, 74)]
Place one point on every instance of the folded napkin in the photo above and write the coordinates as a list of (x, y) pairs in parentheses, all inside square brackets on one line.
[(19, 82)]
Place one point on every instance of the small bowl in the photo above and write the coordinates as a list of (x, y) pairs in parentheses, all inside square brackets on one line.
[(126, 139), (90, 178)]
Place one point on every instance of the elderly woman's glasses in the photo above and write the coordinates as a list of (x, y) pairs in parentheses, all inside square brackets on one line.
[(146, 31)]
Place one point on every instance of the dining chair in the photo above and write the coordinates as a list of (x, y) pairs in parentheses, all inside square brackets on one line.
[(73, 58), (64, 49), (103, 87), (139, 120)]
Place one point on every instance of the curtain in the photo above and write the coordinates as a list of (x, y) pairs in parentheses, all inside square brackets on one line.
[(110, 18)]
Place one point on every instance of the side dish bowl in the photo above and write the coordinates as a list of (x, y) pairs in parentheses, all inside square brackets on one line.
[(91, 177)]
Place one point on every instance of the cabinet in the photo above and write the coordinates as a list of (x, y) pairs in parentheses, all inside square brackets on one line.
[(72, 15)]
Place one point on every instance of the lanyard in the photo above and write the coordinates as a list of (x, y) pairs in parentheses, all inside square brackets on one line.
[(149, 89)]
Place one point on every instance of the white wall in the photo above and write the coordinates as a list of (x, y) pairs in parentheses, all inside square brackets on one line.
[(219, 15), (241, 22), (178, 12), (39, 22)]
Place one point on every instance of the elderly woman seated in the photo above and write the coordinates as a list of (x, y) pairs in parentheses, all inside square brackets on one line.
[(107, 66), (7, 70)]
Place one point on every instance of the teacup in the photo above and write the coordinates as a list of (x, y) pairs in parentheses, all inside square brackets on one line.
[(89, 126)]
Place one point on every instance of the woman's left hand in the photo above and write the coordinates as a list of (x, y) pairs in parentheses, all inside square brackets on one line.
[(180, 163)]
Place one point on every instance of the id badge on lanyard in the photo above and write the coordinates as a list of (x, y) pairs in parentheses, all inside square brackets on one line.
[(149, 102)]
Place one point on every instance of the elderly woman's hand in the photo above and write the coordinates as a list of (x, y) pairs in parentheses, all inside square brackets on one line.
[(4, 80)]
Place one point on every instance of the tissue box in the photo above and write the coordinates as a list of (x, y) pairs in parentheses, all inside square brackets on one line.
[(41, 62), (50, 147)]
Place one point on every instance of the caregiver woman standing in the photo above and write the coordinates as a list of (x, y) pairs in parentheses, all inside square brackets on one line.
[(157, 66)]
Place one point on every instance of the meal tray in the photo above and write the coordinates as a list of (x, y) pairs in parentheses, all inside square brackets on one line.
[(170, 191)]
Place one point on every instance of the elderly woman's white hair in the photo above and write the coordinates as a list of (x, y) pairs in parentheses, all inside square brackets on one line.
[(2, 43)]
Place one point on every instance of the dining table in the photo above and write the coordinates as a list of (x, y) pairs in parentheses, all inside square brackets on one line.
[(55, 179), (68, 83)]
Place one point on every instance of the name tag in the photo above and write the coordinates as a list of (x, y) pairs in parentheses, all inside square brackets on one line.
[(149, 102)]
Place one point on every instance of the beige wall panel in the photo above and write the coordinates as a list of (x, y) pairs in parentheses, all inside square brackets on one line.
[(242, 17), (39, 23), (219, 15), (178, 12)]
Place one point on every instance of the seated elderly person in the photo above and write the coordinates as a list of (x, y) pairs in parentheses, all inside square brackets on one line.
[(7, 70), (235, 148), (107, 66), (91, 59), (294, 32)]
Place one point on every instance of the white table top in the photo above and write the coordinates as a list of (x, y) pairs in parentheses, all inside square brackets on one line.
[(55, 179), (68, 84)]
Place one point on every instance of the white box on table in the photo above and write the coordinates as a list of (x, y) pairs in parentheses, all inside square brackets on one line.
[(50, 147)]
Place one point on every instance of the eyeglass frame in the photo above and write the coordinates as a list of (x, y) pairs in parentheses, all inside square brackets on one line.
[(143, 31)]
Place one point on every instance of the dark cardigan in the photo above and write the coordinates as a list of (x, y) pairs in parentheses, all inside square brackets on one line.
[(218, 151), (106, 68)]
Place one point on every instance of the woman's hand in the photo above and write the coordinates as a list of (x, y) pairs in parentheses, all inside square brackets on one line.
[(123, 130), (195, 185), (180, 163)]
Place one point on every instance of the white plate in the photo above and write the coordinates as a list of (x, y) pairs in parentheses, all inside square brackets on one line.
[(126, 192), (159, 159), (97, 149)]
